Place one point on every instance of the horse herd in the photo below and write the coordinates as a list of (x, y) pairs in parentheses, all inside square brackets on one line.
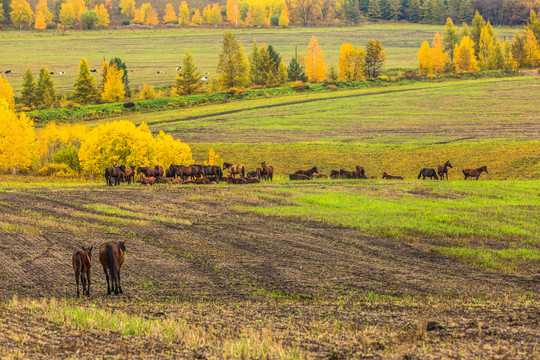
[(203, 174)]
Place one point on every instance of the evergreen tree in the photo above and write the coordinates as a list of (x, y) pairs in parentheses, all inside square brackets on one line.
[(295, 71), (104, 69), (395, 9), (385, 9), (477, 24), (518, 51), (465, 31), (466, 10), (450, 37), (415, 11), (363, 6), (254, 59), (233, 66), (120, 65), (275, 57), (374, 10), (45, 91), (85, 85), (28, 92), (427, 11), (439, 11), (2, 15), (188, 80)]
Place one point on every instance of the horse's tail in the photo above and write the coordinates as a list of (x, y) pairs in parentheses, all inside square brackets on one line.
[(420, 174), (243, 171), (112, 264), (77, 265)]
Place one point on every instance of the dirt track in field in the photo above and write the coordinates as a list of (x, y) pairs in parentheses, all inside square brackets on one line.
[(191, 245)]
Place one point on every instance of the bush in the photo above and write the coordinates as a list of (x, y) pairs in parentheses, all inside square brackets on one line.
[(332, 87), (299, 85), (68, 156), (274, 20), (89, 18), (58, 170), (125, 22)]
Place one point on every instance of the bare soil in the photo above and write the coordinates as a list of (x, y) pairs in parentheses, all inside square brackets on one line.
[(188, 246)]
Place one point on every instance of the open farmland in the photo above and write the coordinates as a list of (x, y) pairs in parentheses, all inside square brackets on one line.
[(218, 272), (148, 50)]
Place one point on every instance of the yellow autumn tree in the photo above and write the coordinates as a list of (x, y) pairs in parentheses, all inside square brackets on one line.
[(21, 13), (79, 7), (439, 57), (425, 65), (117, 142), (127, 8), (17, 139), (67, 15), (285, 16), (197, 18), (103, 16), (40, 22), (6, 92), (486, 47), (233, 12), (249, 17), (149, 15), (42, 8), (183, 14), (213, 158), (170, 14), (351, 62), (113, 90), (531, 50), (169, 151), (314, 61), (214, 16), (464, 58), (55, 137)]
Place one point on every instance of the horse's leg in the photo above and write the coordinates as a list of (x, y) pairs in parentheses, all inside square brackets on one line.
[(83, 280), (88, 277), (107, 277), (119, 283), (77, 280)]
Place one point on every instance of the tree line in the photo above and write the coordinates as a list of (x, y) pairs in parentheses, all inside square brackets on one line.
[(478, 48), (258, 13)]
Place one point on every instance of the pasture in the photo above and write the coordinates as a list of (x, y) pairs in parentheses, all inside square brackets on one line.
[(150, 50), (281, 271)]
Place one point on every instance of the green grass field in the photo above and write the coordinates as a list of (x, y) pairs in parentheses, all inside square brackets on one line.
[(148, 50)]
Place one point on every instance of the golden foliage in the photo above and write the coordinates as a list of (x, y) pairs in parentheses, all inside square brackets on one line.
[(169, 151), (103, 15), (21, 13), (213, 158), (6, 92), (532, 50), (351, 62), (314, 61), (183, 15), (439, 57), (170, 14), (285, 16), (128, 8), (233, 12), (197, 18), (17, 139), (464, 57), (53, 137), (147, 92), (113, 90), (42, 8), (425, 65)]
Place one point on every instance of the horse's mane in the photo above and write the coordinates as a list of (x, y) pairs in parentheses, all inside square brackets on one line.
[(121, 245)]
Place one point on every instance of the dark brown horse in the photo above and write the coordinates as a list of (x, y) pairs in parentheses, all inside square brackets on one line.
[(213, 170), (114, 173), (252, 180), (81, 261), (344, 174), (111, 257), (129, 173), (234, 169), (309, 173), (158, 171), (360, 172), (184, 172), (385, 175), (232, 180), (474, 172), (154, 171), (334, 174), (297, 176), (430, 173), (443, 169), (320, 176), (267, 171)]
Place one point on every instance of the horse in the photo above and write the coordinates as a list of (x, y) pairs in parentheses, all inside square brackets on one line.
[(146, 180), (232, 180), (170, 174), (267, 170), (147, 171), (202, 180), (309, 173), (81, 261), (213, 170), (360, 172), (252, 180), (108, 173), (320, 176), (260, 174), (129, 173), (251, 174), (344, 174), (334, 174), (385, 175), (158, 171), (182, 171), (163, 180), (474, 172), (234, 169), (430, 173), (443, 169), (115, 173), (111, 257), (297, 176)]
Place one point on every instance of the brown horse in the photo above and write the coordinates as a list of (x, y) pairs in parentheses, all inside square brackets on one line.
[(385, 175), (267, 171), (146, 180), (334, 174), (81, 261), (297, 176), (360, 172), (344, 174), (111, 257), (184, 172), (115, 173), (232, 180), (234, 169), (443, 169), (150, 171), (252, 180), (309, 173), (320, 176), (129, 173), (474, 172)]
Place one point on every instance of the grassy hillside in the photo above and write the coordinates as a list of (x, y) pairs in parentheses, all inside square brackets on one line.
[(148, 50)]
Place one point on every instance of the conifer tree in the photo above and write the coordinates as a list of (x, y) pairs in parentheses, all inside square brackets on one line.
[(464, 58), (477, 24), (439, 11), (122, 66), (314, 61), (439, 57), (295, 71), (415, 11), (374, 60), (254, 59), (188, 80), (465, 31), (518, 51), (450, 37), (425, 65), (233, 66), (28, 92), (85, 85), (532, 50), (45, 92), (374, 9), (104, 69)]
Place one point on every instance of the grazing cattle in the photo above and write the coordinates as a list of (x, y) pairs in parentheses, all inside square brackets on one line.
[(51, 73), (61, 72), (475, 172), (206, 73), (443, 169), (231, 180), (296, 176), (427, 172), (111, 257), (252, 180), (267, 171), (360, 173), (320, 176), (7, 72), (160, 72), (93, 71), (146, 180), (178, 68), (309, 173), (204, 78), (385, 175), (81, 261), (334, 174), (236, 169)]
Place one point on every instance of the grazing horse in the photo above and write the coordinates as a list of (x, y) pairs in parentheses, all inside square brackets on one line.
[(360, 172), (115, 173), (297, 176), (267, 170), (430, 173), (385, 175), (309, 173), (234, 169), (81, 261), (443, 169), (474, 172), (334, 174), (182, 171), (344, 174), (213, 170), (129, 173), (111, 257)]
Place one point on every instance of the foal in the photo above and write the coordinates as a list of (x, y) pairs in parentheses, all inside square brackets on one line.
[(81, 265)]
